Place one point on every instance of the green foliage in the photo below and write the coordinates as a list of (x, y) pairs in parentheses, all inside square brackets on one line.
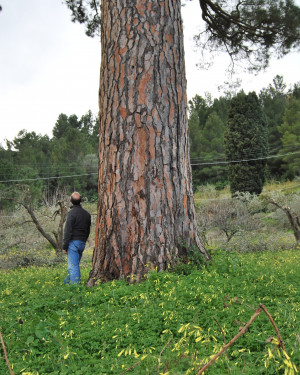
[(41, 162), (208, 118), (246, 138), (86, 12), (32, 257), (290, 131), (274, 99), (250, 30), (193, 260), (207, 124), (245, 30), (168, 323)]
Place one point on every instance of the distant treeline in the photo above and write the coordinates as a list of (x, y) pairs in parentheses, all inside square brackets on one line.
[(45, 164), (69, 159), (208, 120)]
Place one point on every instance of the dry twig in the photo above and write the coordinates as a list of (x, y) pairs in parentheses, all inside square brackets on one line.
[(221, 329), (160, 354), (242, 331), (131, 368), (5, 354)]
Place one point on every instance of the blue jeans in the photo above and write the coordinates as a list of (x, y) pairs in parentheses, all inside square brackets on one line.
[(75, 251)]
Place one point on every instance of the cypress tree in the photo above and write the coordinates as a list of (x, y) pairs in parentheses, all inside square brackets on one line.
[(246, 144)]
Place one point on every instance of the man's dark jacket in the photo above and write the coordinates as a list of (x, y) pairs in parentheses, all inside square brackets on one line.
[(77, 226)]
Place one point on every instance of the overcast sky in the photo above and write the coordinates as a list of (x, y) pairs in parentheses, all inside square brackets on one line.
[(48, 66)]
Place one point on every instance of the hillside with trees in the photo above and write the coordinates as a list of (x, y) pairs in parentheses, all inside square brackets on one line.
[(69, 159), (208, 119), (66, 161)]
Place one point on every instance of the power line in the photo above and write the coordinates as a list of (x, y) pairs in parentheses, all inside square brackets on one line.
[(49, 178), (222, 155), (271, 151), (245, 160), (246, 155), (67, 167), (49, 166), (192, 164)]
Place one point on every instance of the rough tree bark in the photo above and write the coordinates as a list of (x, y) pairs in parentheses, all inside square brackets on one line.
[(146, 212)]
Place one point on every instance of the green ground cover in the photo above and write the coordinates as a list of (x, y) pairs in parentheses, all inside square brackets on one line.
[(169, 324)]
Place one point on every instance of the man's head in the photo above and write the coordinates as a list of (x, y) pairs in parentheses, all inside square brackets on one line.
[(75, 198)]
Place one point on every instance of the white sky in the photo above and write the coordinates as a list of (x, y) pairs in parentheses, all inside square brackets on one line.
[(48, 66)]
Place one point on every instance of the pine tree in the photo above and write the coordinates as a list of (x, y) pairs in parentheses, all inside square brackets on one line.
[(290, 131), (246, 144), (274, 101), (146, 209)]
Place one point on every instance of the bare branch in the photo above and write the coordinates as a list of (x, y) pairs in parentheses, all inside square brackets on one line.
[(292, 217), (5, 354), (242, 331), (39, 227)]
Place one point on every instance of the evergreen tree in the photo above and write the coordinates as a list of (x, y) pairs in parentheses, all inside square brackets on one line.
[(245, 139), (210, 149), (30, 161), (73, 140), (274, 102), (290, 131), (207, 122), (41, 162), (250, 31), (146, 207)]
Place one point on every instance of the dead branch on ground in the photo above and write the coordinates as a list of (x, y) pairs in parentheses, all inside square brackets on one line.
[(242, 331), (5, 354)]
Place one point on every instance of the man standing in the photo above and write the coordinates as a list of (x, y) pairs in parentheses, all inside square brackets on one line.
[(76, 233)]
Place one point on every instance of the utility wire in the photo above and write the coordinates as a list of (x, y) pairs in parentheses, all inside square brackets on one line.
[(49, 178), (64, 167), (248, 154), (222, 155), (245, 160), (192, 164)]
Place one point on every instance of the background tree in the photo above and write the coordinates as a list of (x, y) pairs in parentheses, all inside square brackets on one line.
[(207, 122), (290, 138), (42, 162), (245, 139), (7, 172), (75, 141), (248, 30), (29, 158), (145, 199), (229, 216), (48, 219), (274, 101), (292, 214), (198, 113), (211, 149)]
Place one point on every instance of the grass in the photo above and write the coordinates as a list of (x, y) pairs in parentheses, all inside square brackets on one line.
[(169, 324), (207, 192)]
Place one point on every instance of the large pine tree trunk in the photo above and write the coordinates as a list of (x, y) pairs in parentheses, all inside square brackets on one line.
[(146, 212)]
